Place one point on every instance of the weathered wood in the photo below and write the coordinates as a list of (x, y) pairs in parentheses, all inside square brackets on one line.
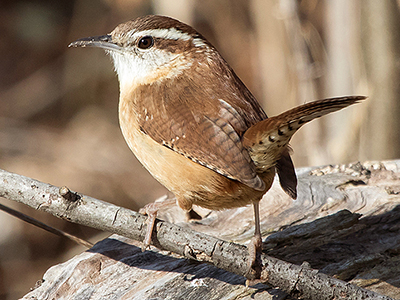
[(116, 268), (361, 247), (344, 244)]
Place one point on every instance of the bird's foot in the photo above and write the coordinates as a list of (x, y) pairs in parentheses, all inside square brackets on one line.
[(151, 210), (255, 263)]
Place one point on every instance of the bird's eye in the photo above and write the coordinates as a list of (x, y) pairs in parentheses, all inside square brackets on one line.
[(146, 42)]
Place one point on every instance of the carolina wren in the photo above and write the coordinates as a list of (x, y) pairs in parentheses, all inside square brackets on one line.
[(193, 123)]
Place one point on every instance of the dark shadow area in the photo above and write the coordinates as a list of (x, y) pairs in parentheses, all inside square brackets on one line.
[(133, 256), (191, 271), (344, 252)]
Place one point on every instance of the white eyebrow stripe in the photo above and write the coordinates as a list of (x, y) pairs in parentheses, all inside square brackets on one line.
[(169, 33)]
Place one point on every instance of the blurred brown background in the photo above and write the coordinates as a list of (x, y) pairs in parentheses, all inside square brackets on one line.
[(58, 106)]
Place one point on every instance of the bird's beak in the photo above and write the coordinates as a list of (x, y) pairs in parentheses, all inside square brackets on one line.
[(101, 41)]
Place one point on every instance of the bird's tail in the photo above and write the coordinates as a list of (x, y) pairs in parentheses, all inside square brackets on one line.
[(268, 139)]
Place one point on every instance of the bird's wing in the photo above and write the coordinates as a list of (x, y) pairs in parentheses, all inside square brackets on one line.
[(202, 125)]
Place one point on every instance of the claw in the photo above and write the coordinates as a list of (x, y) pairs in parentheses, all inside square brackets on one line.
[(151, 210)]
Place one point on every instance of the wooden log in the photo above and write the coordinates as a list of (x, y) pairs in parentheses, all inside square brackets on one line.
[(345, 223)]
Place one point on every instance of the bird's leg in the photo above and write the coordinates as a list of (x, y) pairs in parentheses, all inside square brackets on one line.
[(151, 210), (255, 246)]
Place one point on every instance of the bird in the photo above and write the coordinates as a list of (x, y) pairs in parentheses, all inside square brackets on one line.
[(195, 126)]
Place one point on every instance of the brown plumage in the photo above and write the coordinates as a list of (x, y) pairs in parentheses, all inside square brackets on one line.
[(194, 125)]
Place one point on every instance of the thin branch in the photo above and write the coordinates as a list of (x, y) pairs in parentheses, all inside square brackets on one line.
[(300, 281), (48, 228)]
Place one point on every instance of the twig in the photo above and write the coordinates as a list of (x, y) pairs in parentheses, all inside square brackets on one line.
[(48, 228), (300, 281)]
